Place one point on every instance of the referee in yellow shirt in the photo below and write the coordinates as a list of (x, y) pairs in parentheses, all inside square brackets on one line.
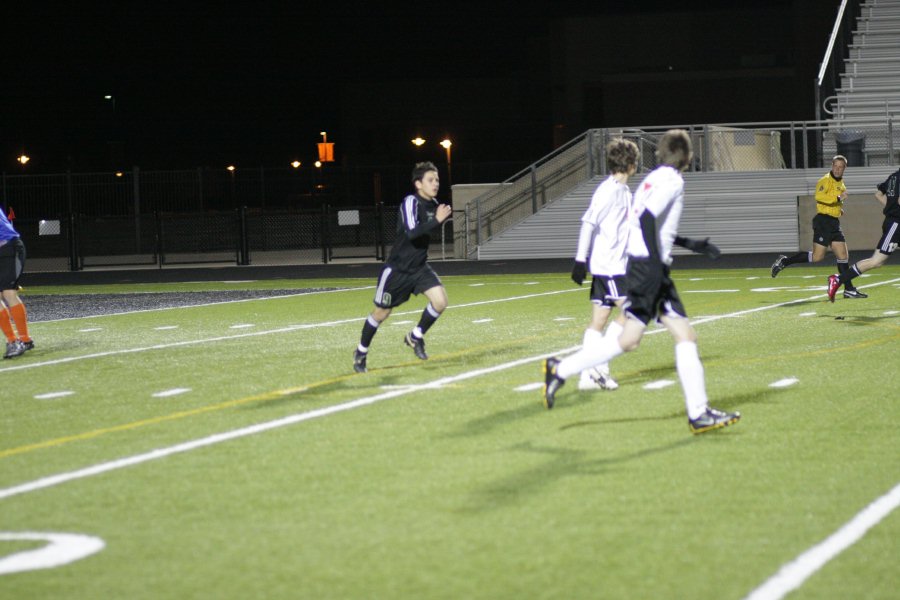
[(831, 191)]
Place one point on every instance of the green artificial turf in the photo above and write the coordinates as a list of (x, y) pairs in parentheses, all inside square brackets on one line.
[(444, 479)]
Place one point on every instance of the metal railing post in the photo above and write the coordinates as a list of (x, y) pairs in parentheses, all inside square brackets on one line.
[(707, 141), (890, 124), (793, 148), (533, 189), (805, 146)]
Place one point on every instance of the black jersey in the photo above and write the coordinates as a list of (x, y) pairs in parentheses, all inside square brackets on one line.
[(891, 188), (414, 226)]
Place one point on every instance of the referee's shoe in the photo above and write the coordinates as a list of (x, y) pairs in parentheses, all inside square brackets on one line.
[(778, 266)]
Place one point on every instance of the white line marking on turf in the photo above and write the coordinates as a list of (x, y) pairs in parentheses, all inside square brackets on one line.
[(400, 322), (787, 382), (807, 314), (165, 327), (172, 392), (52, 395), (242, 326), (892, 312), (793, 574), (482, 320), (564, 319), (89, 329), (476, 284), (658, 385), (131, 312), (129, 461), (528, 387), (62, 549), (710, 291), (287, 329)]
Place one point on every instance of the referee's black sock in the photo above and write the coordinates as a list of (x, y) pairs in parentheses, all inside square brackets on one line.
[(370, 328), (802, 257), (429, 316)]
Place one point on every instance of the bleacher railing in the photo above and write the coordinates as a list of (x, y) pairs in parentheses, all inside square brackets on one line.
[(717, 147)]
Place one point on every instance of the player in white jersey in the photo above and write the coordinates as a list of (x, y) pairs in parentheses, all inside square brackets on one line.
[(654, 219), (602, 244)]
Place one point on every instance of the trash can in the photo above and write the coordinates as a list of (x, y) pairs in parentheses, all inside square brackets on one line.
[(852, 144)]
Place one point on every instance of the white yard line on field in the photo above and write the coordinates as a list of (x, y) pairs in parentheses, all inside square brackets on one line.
[(54, 480), (144, 310), (793, 574), (236, 336)]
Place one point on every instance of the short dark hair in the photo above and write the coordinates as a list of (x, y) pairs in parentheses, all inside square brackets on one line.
[(421, 168), (621, 154), (675, 149)]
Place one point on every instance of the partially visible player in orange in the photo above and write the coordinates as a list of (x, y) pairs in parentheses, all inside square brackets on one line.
[(12, 262)]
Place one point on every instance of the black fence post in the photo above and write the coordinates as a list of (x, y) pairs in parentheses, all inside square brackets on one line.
[(326, 237), (160, 255), (243, 239), (74, 260)]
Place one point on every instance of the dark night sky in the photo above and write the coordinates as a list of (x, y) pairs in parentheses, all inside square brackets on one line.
[(253, 84)]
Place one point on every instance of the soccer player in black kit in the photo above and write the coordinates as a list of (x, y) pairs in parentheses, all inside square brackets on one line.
[(407, 270)]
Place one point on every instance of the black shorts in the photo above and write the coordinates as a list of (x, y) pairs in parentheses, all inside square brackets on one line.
[(890, 236), (606, 290), (651, 292), (12, 262), (395, 287), (826, 229)]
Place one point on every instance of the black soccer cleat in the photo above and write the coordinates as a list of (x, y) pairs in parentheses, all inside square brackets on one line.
[(778, 266), (712, 419), (552, 382), (14, 348), (29, 345), (417, 344), (854, 293), (359, 361)]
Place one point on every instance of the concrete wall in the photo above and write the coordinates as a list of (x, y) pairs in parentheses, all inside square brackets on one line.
[(861, 222)]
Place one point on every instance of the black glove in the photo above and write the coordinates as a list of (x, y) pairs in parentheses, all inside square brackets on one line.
[(700, 247), (579, 270)]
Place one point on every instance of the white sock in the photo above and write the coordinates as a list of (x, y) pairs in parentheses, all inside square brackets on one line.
[(595, 354), (592, 339), (690, 372)]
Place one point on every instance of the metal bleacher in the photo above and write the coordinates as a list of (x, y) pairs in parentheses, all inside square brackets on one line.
[(868, 95), (743, 212)]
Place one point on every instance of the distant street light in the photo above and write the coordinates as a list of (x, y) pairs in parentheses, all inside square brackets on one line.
[(318, 164), (418, 141), (296, 164), (23, 159), (446, 143), (111, 99), (231, 169)]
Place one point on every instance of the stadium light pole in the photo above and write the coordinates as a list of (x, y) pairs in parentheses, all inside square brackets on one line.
[(446, 143)]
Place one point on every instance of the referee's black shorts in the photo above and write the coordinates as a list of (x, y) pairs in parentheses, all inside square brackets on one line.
[(651, 292), (826, 229), (12, 261), (395, 287)]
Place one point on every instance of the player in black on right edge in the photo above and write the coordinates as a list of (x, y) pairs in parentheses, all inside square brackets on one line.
[(406, 270)]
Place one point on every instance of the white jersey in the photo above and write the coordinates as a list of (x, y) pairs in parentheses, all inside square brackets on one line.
[(662, 193), (604, 230)]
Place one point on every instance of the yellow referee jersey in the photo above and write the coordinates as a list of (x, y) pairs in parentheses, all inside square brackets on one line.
[(828, 196)]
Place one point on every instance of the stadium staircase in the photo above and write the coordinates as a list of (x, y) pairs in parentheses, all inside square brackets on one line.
[(869, 91), (743, 212)]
